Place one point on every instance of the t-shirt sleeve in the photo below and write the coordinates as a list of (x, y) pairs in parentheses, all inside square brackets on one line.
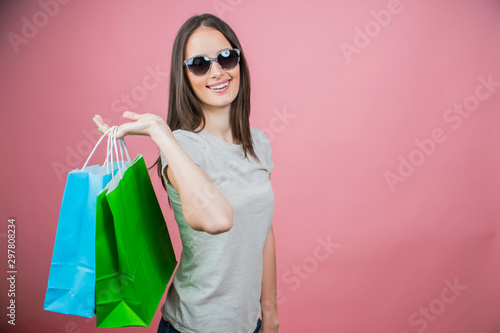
[(270, 164), (191, 144), (267, 149)]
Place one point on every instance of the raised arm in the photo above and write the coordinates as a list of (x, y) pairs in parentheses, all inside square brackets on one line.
[(204, 207)]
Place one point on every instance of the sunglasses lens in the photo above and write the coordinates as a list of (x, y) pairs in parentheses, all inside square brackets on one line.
[(199, 66), (228, 59)]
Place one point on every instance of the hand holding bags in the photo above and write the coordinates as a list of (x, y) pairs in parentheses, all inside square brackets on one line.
[(125, 261), (71, 283), (134, 255)]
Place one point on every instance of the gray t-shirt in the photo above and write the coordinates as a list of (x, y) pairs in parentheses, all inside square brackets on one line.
[(217, 285)]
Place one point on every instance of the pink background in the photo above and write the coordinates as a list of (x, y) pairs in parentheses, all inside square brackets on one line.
[(340, 123)]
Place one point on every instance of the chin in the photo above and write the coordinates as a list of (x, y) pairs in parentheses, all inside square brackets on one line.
[(220, 101)]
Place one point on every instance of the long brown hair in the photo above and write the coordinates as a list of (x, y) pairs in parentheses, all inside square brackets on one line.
[(184, 108)]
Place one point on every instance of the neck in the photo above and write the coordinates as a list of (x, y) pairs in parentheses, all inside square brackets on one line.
[(217, 123)]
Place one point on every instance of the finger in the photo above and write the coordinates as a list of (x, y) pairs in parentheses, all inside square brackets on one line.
[(102, 126), (121, 131), (97, 122), (131, 115)]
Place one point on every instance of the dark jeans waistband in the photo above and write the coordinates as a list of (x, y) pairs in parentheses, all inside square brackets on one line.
[(166, 327)]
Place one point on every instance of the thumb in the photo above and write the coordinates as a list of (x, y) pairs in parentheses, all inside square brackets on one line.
[(131, 115)]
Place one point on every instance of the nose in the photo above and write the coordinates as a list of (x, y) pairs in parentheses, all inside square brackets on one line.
[(216, 71)]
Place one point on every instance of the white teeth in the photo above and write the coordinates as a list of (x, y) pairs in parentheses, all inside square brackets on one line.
[(220, 86)]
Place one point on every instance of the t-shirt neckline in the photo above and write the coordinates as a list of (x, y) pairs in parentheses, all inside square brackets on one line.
[(220, 141)]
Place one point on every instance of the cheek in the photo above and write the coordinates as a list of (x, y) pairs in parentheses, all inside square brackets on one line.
[(237, 87), (195, 81), (197, 84), (236, 79)]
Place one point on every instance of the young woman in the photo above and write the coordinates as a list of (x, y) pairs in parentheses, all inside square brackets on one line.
[(216, 169)]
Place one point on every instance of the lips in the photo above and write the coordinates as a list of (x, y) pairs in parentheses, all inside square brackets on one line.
[(217, 83)]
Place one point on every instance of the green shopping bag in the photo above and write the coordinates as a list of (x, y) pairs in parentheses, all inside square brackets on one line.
[(134, 254)]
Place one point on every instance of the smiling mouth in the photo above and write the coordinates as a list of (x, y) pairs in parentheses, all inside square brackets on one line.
[(220, 86)]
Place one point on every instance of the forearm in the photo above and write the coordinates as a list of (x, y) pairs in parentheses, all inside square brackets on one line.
[(268, 294), (204, 207)]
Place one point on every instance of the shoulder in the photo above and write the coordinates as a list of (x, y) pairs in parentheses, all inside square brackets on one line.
[(260, 139), (259, 136), (189, 138), (179, 133)]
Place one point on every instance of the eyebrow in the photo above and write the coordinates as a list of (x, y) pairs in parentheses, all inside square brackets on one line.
[(204, 55)]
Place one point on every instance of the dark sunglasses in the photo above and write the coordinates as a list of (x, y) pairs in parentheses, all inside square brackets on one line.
[(201, 65)]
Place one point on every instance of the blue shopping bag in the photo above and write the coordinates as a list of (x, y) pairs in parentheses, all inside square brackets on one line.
[(71, 283)]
